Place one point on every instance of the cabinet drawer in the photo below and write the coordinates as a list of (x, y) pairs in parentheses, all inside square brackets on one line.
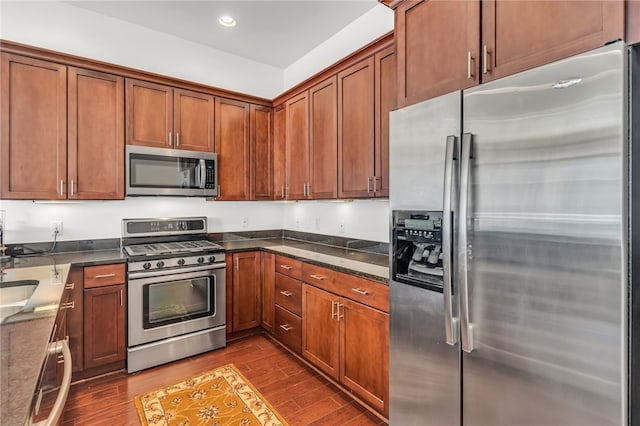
[(288, 329), (289, 293), (288, 266), (318, 276), (104, 275)]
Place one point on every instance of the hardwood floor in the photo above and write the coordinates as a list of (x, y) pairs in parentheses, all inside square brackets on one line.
[(298, 393)]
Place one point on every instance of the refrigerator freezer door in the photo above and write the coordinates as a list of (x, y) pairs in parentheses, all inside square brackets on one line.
[(417, 141), (424, 370), (546, 246)]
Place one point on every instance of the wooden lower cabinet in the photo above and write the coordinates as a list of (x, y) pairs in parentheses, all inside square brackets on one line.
[(268, 289), (104, 325), (247, 291), (75, 319), (350, 342)]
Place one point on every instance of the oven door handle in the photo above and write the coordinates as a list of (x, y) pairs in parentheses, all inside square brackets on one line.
[(56, 348), (164, 274)]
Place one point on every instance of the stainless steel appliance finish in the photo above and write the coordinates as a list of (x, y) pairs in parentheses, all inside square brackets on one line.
[(539, 252), (176, 290), (163, 171)]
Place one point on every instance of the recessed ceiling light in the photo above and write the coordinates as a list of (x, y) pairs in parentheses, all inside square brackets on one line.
[(227, 21)]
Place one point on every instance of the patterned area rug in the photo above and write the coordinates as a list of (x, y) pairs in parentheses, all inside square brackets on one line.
[(215, 398)]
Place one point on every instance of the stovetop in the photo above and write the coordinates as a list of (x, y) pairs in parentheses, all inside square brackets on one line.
[(176, 247)]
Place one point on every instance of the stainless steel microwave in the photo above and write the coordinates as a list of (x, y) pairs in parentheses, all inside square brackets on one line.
[(163, 171)]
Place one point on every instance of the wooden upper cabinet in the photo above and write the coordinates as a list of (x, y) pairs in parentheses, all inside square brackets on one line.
[(385, 101), (323, 140), (261, 157), (193, 120), (633, 21), (279, 152), (297, 146), (149, 114), (437, 48), (34, 128), (519, 35), (356, 116), (232, 147), (96, 135)]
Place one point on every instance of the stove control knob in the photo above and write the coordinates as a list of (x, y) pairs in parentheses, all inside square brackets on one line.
[(212, 259), (146, 265), (201, 260), (160, 264), (181, 262)]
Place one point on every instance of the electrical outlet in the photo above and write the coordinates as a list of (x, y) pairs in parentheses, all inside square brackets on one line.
[(56, 228), (245, 222), (341, 230), (297, 223)]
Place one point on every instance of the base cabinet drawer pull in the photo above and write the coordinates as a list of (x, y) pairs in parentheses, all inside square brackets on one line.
[(287, 267), (68, 305), (286, 293), (360, 291), (317, 277), (105, 276), (286, 327), (69, 286)]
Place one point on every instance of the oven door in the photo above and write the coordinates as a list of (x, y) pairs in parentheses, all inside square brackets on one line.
[(171, 305)]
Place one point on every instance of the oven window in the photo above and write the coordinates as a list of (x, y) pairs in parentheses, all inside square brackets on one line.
[(176, 301)]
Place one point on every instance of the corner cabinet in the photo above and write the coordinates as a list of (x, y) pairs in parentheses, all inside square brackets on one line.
[(261, 152), (232, 146), (62, 131), (448, 46), (297, 146), (166, 117)]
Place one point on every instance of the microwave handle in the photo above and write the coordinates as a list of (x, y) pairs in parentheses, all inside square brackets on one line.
[(203, 174)]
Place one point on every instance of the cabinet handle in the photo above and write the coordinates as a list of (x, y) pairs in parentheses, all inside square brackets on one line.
[(73, 184), (340, 316), (177, 139), (287, 267), (485, 59), (219, 192), (236, 262), (282, 191), (317, 277), (286, 192), (121, 297), (308, 190), (286, 293), (375, 184), (69, 286), (469, 67), (286, 327), (368, 184), (333, 309), (360, 291), (68, 305), (104, 276), (170, 137), (61, 187)]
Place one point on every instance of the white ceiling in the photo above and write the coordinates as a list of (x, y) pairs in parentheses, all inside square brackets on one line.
[(276, 33)]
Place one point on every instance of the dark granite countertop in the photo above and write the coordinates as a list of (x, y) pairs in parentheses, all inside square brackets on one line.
[(29, 302), (374, 266)]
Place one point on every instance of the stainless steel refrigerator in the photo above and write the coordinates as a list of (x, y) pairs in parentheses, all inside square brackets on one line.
[(511, 266)]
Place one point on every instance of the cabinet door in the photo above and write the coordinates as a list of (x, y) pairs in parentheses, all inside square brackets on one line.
[(232, 147), (261, 153), (356, 116), (96, 135), (268, 290), (297, 146), (364, 353), (323, 139), (438, 48), (633, 21), (34, 128), (519, 35), (193, 120), (104, 325), (75, 319), (279, 152), (247, 299), (320, 329), (385, 101), (149, 114)]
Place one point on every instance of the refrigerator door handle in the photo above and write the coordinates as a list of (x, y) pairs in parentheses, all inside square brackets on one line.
[(450, 323), (466, 329)]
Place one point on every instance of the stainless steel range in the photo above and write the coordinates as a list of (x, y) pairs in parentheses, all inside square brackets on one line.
[(176, 290)]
